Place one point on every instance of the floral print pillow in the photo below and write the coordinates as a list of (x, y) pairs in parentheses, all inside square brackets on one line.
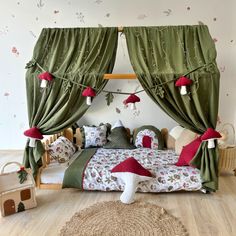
[(62, 149), (95, 136), (142, 135)]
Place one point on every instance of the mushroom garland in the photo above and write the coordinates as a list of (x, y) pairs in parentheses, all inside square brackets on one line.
[(132, 99), (34, 134), (45, 78), (182, 82), (89, 93), (210, 135), (131, 172)]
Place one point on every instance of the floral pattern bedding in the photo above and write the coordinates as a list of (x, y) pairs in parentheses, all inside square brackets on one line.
[(168, 177)]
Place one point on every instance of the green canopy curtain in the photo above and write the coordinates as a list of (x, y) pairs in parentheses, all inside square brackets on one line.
[(74, 56), (159, 56)]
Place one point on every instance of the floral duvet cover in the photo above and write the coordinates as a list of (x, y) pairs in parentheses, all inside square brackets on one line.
[(168, 177)]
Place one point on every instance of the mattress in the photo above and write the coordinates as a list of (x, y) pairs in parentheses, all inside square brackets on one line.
[(97, 175)]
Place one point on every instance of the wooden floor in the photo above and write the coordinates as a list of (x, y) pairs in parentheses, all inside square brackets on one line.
[(202, 214)]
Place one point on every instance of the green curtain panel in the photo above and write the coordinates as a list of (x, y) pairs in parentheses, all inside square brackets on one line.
[(73, 56), (159, 56)]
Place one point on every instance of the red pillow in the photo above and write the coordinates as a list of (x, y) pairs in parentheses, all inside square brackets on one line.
[(188, 152)]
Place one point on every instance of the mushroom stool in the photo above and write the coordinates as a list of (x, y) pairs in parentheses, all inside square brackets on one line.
[(131, 172)]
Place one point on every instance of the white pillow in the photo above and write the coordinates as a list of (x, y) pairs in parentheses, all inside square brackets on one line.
[(95, 136), (176, 131)]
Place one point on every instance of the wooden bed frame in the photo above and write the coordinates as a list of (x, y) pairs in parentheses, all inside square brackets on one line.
[(74, 137)]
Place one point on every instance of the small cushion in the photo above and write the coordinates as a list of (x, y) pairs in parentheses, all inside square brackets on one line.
[(148, 136), (188, 152), (82, 132), (118, 139), (186, 137), (95, 136), (61, 149), (176, 131)]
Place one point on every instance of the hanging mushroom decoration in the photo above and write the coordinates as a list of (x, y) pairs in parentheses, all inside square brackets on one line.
[(89, 93), (182, 82), (34, 134), (210, 136), (132, 99), (45, 78), (131, 173)]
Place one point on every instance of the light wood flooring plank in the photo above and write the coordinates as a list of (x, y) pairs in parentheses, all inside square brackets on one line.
[(202, 214)]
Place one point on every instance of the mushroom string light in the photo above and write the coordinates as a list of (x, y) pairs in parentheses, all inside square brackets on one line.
[(132, 99), (210, 135), (182, 82), (34, 134), (131, 172), (45, 78), (89, 93)]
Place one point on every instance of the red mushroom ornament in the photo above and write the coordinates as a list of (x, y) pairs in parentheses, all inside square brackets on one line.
[(182, 82), (45, 78), (33, 134), (132, 99), (131, 172), (210, 135), (89, 93)]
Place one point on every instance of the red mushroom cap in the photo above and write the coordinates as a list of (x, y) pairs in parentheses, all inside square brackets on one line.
[(183, 81), (132, 166), (45, 76), (210, 134), (33, 133), (88, 92), (131, 99)]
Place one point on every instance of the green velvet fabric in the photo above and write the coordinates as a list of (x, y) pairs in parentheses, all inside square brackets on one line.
[(74, 174), (118, 139), (159, 56), (74, 56)]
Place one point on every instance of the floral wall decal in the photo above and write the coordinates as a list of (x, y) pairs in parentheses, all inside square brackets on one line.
[(141, 16), (118, 110), (32, 33), (80, 16), (15, 51), (98, 1), (40, 4), (6, 94), (167, 12)]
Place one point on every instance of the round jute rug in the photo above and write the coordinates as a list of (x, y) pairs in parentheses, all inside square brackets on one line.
[(114, 218)]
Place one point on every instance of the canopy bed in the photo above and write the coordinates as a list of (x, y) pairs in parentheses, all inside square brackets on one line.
[(78, 58)]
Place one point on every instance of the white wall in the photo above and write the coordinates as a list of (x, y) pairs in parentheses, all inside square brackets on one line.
[(21, 22)]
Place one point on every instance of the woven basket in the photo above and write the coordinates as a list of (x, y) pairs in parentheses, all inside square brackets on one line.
[(227, 160)]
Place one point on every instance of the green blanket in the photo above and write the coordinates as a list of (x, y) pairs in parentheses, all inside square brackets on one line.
[(73, 177)]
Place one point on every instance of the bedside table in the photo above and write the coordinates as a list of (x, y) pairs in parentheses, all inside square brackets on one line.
[(227, 159)]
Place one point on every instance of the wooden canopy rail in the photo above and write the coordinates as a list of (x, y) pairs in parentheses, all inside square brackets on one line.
[(120, 76)]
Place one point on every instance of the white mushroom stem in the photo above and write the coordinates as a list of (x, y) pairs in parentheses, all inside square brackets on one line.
[(131, 181), (89, 101), (183, 90), (211, 143), (132, 106), (44, 83), (131, 184), (32, 142)]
